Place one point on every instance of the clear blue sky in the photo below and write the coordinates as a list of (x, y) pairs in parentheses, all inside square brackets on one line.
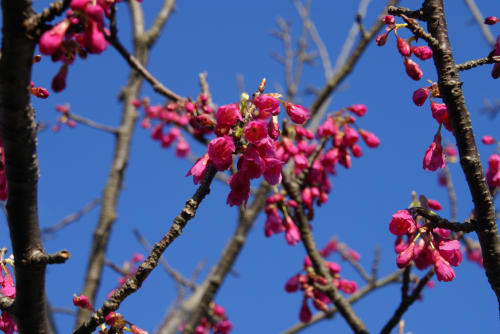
[(226, 38)]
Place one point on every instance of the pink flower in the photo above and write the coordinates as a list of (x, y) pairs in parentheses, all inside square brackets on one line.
[(272, 170), (250, 163), (403, 47), (267, 105), (422, 52), (333, 267), (412, 69), (433, 204), (450, 251), (389, 20), (182, 148), (95, 12), (137, 257), (59, 81), (434, 157), (420, 95), (369, 138), (115, 320), (444, 271), (136, 330), (83, 302), (298, 114), (491, 20), (7, 324), (7, 284), (356, 151), (273, 222), (220, 151), (199, 168), (402, 223), (488, 140), (405, 256), (382, 39), (52, 39), (240, 189), (94, 41), (358, 109), (328, 128), (228, 115), (292, 234), (305, 314), (255, 131), (350, 135), (273, 128), (348, 287), (292, 284), (223, 327)]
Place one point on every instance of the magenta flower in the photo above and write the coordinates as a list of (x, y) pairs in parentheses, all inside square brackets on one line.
[(255, 132), (381, 39), (199, 168), (328, 128), (298, 114), (94, 40), (52, 39), (422, 52), (305, 314), (491, 20), (434, 157), (182, 148), (405, 256), (403, 47), (292, 234), (358, 109), (228, 115), (83, 302), (272, 170), (389, 20), (450, 251), (420, 96), (333, 267), (267, 105), (402, 223), (59, 81), (240, 189), (7, 323), (348, 287), (412, 69), (292, 284), (250, 163), (273, 128), (369, 138), (434, 205), (274, 223), (444, 271), (220, 151), (488, 140), (350, 135)]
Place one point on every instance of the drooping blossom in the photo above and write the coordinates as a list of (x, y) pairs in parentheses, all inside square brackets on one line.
[(305, 314), (358, 109), (228, 115), (488, 140), (420, 96), (199, 168), (369, 138), (389, 20), (412, 69), (220, 151), (402, 223), (421, 52), (83, 302), (52, 39), (434, 205), (240, 189), (444, 271), (450, 251), (267, 105), (434, 157), (292, 234), (403, 47), (298, 114), (255, 131), (292, 284)]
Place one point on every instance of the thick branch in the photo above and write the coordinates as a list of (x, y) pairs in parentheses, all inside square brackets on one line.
[(437, 221), (451, 92), (135, 282), (34, 24)]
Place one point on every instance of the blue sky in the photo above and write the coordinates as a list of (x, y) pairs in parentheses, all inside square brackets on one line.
[(227, 38)]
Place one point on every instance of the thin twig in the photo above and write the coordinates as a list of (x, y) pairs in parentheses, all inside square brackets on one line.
[(152, 34), (451, 193), (71, 218), (342, 250), (91, 123), (485, 30), (437, 221), (116, 268), (478, 62)]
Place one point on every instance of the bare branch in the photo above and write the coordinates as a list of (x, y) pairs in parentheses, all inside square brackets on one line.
[(34, 24), (161, 18), (71, 218), (342, 250), (91, 123), (135, 282), (485, 30), (437, 221), (478, 62)]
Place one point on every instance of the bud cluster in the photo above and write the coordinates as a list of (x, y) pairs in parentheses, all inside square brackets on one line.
[(307, 282), (63, 118), (425, 246), (8, 289)]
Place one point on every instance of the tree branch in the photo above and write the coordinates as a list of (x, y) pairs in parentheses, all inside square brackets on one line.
[(135, 282), (437, 221), (451, 92), (91, 123), (480, 22), (153, 33), (71, 218)]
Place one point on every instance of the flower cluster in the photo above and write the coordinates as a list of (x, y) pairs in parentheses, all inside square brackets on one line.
[(295, 146), (404, 47), (216, 321), (81, 32), (8, 289), (249, 128), (425, 246), (171, 117), (63, 118), (307, 281)]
